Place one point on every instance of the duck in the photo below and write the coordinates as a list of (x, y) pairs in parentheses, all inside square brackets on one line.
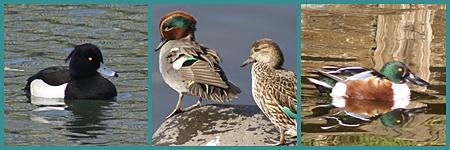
[(274, 89), (395, 118), (364, 94), (82, 79), (189, 67)]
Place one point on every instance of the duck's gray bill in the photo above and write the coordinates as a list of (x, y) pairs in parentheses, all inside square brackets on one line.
[(417, 80), (248, 61), (104, 70), (161, 44)]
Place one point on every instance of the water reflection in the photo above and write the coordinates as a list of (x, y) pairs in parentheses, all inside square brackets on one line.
[(54, 115), (83, 119), (89, 116), (370, 36)]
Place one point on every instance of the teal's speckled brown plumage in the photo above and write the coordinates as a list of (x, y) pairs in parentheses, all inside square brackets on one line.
[(272, 86), (189, 67)]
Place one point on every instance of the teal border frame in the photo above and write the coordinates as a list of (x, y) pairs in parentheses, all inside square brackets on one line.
[(70, 2), (150, 62)]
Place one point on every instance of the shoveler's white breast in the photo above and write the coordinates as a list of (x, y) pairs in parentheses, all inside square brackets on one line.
[(338, 93), (402, 95), (39, 88)]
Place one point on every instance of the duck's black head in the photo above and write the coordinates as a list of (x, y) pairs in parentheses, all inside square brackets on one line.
[(87, 60)]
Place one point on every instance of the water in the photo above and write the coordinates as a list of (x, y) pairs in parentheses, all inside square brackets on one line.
[(369, 36), (230, 30), (40, 36)]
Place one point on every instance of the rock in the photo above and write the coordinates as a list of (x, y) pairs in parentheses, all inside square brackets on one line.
[(217, 125)]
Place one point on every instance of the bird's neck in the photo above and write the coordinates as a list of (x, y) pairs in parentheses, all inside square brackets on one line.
[(262, 68)]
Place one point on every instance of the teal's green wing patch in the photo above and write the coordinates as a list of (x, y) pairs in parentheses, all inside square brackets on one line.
[(288, 112), (188, 58)]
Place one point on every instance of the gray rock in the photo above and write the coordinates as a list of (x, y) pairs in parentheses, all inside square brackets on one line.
[(217, 124)]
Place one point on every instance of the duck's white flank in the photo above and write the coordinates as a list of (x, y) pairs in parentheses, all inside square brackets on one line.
[(39, 88)]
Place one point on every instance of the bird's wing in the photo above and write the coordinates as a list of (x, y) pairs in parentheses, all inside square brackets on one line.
[(285, 88), (198, 64)]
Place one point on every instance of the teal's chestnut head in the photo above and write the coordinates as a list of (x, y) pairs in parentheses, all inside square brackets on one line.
[(176, 25)]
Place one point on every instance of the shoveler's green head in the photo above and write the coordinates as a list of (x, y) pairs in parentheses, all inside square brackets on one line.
[(399, 117), (398, 73)]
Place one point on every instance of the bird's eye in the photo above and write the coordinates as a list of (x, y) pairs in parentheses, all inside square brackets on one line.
[(90, 58), (400, 69)]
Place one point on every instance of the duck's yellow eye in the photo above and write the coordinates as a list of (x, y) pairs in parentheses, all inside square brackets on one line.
[(90, 58), (400, 69), (398, 121)]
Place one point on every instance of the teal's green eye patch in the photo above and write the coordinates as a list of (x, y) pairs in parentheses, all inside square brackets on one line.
[(179, 22)]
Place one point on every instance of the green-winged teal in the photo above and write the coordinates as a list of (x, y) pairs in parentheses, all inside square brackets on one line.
[(189, 67)]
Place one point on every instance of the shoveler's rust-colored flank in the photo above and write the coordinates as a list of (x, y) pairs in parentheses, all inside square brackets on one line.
[(372, 96)]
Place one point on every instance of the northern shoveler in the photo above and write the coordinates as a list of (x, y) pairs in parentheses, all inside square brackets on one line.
[(365, 93)]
